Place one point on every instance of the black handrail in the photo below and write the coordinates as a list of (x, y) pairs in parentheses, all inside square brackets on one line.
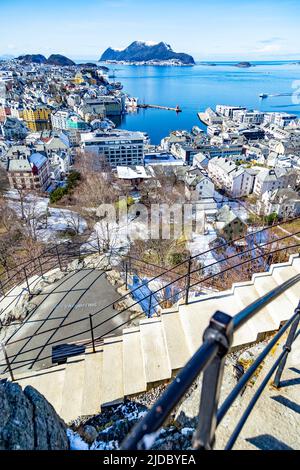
[(127, 308), (187, 276), (90, 242), (217, 340), (251, 370)]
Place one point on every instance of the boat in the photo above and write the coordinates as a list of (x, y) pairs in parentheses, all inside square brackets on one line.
[(131, 102), (263, 96)]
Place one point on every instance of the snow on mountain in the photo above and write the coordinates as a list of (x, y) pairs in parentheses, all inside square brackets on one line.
[(145, 51)]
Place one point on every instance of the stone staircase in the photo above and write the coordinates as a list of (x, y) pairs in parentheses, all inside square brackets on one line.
[(141, 356)]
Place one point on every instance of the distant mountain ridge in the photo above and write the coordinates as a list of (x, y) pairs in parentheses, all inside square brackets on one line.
[(140, 51), (54, 59)]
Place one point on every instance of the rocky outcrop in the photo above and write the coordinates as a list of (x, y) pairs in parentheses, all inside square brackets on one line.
[(140, 51), (54, 59), (32, 59), (244, 65), (60, 60), (28, 421)]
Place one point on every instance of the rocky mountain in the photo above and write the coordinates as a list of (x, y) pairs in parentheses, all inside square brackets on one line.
[(32, 58), (140, 51), (61, 60), (54, 59)]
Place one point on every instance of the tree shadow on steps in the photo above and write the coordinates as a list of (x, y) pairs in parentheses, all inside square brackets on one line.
[(288, 403), (268, 442)]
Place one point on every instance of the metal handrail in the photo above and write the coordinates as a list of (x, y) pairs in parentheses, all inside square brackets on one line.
[(251, 371), (184, 276), (13, 357), (217, 340), (90, 242)]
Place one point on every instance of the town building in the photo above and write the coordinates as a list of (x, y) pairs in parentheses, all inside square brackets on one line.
[(283, 202), (118, 147), (37, 118), (236, 180), (275, 178), (29, 173), (228, 225)]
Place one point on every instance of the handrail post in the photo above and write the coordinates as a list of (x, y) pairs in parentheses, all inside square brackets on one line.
[(58, 257), (98, 243), (150, 306), (40, 264), (187, 291), (26, 278), (126, 276), (287, 348), (8, 363), (92, 333), (220, 331)]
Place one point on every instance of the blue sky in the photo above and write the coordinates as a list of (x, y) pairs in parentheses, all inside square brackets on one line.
[(210, 29)]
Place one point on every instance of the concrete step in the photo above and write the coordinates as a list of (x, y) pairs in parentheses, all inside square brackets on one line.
[(280, 308), (262, 321), (281, 275), (133, 362), (176, 340), (157, 361), (73, 388), (92, 394), (49, 382), (112, 371), (195, 319)]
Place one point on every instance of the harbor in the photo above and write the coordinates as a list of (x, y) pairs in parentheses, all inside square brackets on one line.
[(177, 109)]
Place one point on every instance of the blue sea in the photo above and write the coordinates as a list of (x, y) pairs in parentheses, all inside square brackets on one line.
[(203, 85)]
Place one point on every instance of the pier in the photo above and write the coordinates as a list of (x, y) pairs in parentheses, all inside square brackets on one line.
[(156, 106), (203, 118)]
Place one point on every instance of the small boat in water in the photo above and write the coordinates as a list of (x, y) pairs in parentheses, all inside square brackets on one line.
[(263, 96)]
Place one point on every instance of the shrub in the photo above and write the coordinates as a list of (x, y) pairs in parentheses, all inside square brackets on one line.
[(57, 194), (270, 219)]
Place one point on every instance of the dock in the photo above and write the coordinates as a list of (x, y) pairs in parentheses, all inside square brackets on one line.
[(203, 118), (156, 106)]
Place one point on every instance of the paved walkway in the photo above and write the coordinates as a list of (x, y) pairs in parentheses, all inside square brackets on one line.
[(75, 297)]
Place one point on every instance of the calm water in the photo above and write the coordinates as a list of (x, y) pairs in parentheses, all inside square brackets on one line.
[(196, 88)]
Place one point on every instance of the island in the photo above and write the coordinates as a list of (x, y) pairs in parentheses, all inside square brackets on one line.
[(32, 59), (54, 59), (60, 60), (147, 53), (244, 65)]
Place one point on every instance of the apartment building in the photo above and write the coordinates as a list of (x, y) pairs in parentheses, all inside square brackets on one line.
[(229, 111), (236, 180), (31, 173), (37, 118), (119, 147), (284, 202), (270, 180)]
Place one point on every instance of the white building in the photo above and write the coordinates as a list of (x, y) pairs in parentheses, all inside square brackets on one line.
[(236, 180), (284, 202), (228, 111), (119, 147), (277, 178), (284, 119)]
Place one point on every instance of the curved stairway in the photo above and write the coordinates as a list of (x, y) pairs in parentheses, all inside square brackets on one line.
[(150, 353)]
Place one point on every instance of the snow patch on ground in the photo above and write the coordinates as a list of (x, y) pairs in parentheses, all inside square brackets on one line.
[(76, 442), (58, 220)]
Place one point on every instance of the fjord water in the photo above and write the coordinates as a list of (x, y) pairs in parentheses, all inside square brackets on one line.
[(198, 87)]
